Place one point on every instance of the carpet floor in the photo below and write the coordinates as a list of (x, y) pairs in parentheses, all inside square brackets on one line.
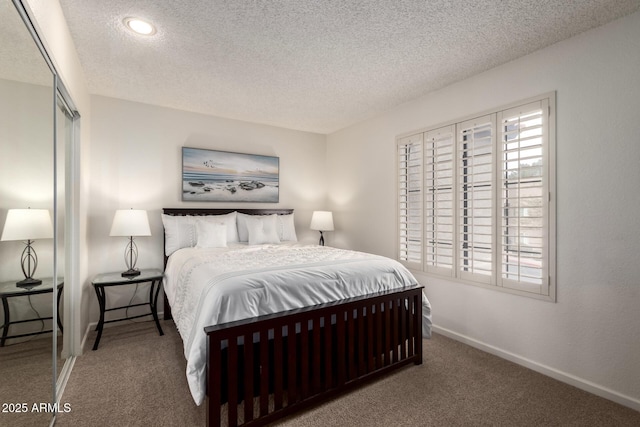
[(136, 378), (26, 379)]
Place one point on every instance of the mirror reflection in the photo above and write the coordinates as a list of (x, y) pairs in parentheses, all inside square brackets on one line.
[(28, 188)]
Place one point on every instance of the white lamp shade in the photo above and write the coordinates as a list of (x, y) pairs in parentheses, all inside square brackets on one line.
[(27, 224), (130, 222), (322, 221)]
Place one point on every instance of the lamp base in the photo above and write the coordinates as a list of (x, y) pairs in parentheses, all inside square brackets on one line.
[(132, 272), (29, 282), (29, 263)]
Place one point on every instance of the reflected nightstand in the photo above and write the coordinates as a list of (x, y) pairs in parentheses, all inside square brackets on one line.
[(10, 290)]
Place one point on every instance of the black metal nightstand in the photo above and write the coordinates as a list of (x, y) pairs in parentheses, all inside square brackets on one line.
[(102, 281), (10, 290)]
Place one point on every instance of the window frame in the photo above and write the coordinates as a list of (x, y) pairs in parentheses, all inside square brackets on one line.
[(547, 289)]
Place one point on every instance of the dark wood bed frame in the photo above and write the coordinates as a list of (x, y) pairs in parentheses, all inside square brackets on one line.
[(336, 347)]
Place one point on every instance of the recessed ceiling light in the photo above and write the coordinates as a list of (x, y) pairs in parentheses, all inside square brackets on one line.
[(139, 26)]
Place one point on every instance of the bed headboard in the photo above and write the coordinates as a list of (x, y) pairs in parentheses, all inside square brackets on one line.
[(205, 211)]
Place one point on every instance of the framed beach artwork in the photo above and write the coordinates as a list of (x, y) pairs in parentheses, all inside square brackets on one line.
[(222, 176)]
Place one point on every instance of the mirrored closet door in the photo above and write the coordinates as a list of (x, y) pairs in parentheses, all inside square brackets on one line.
[(36, 137)]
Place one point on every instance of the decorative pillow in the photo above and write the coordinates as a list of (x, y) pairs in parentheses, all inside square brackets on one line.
[(211, 234), (243, 233), (179, 232), (229, 220), (286, 228), (262, 229)]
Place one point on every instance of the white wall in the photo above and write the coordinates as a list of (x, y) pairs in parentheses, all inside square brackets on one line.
[(591, 336), (136, 162)]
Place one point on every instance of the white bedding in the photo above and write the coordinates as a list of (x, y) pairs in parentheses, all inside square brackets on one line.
[(212, 286)]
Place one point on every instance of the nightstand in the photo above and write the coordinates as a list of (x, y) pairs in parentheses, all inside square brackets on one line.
[(10, 290), (103, 281)]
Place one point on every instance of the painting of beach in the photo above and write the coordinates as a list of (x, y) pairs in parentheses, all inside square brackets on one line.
[(221, 176)]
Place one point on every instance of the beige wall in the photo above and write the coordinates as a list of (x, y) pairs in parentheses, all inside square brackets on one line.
[(26, 167), (26, 181), (136, 162), (590, 337)]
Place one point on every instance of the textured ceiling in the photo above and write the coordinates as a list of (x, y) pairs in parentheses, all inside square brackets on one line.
[(311, 65), (20, 59)]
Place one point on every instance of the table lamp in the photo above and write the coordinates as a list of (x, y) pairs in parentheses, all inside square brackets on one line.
[(322, 221), (130, 223), (28, 225)]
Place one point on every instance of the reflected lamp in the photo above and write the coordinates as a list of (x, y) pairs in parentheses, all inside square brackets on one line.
[(28, 225)]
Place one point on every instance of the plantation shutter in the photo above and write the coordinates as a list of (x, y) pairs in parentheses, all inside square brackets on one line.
[(475, 204), (410, 200), (524, 199), (476, 200), (439, 186)]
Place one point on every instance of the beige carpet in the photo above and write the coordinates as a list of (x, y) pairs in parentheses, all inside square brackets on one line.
[(136, 378), (26, 377)]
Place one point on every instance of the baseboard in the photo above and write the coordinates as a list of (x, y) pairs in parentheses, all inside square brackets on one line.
[(63, 378), (564, 377), (92, 326)]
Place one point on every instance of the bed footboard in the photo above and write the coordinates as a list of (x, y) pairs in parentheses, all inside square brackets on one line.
[(301, 357)]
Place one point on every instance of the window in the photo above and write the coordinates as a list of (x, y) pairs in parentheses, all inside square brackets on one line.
[(475, 200)]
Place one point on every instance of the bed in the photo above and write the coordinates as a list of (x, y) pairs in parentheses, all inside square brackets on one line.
[(270, 326)]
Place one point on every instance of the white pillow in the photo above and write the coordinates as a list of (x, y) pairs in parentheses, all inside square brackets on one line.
[(211, 234), (179, 232), (229, 220), (243, 233), (262, 229), (286, 228)]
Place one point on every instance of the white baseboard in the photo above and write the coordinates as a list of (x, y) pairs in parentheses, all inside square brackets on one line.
[(63, 378), (564, 377), (92, 326)]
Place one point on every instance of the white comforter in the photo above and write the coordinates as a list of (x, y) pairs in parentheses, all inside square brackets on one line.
[(212, 286)]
